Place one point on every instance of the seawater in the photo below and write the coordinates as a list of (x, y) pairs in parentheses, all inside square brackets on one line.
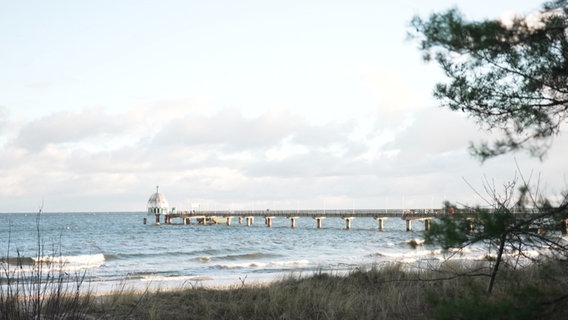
[(117, 249)]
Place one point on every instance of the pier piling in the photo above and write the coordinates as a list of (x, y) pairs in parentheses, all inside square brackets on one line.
[(469, 225), (319, 221), (381, 222), (348, 222), (408, 225), (293, 222)]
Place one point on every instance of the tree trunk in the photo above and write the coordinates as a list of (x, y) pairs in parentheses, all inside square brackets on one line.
[(497, 263)]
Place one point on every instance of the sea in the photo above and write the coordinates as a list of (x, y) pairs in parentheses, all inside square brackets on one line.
[(116, 250)]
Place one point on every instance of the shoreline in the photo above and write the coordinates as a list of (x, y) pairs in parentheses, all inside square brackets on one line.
[(226, 282)]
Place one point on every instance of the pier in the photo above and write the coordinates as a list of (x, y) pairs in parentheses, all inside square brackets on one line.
[(158, 206), (248, 216)]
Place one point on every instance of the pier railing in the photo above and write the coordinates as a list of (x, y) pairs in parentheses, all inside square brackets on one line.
[(409, 215), (313, 213), (373, 213)]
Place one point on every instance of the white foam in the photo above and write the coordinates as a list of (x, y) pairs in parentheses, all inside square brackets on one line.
[(256, 264), (203, 259), (416, 241), (74, 262), (242, 265), (290, 263)]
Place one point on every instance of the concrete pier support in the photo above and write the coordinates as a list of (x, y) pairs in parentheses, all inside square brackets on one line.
[(249, 221), (408, 225), (427, 223), (186, 221), (268, 221), (229, 220), (469, 225), (319, 221), (157, 219), (293, 222), (348, 222), (381, 222), (240, 220)]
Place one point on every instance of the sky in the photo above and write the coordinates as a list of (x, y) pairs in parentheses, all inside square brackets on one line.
[(237, 105)]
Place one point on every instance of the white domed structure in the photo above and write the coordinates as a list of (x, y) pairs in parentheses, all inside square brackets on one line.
[(157, 204)]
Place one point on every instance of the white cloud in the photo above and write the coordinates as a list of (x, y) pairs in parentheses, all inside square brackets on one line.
[(329, 110), (228, 130), (533, 20), (66, 128)]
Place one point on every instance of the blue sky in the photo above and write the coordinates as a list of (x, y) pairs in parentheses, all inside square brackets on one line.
[(234, 104)]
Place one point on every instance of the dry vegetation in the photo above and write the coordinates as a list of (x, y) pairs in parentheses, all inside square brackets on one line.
[(451, 292)]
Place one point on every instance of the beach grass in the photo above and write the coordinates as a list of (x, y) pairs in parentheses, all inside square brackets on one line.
[(450, 291)]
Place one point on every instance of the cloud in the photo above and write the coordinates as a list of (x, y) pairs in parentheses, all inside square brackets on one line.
[(321, 136), (275, 159), (228, 130), (398, 96), (435, 131), (311, 164), (4, 118), (534, 20), (44, 85), (65, 127)]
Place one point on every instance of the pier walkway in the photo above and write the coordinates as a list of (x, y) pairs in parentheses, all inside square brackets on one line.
[(158, 205), (348, 215), (409, 215)]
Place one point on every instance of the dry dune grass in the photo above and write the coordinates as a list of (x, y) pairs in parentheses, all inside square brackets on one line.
[(449, 292)]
